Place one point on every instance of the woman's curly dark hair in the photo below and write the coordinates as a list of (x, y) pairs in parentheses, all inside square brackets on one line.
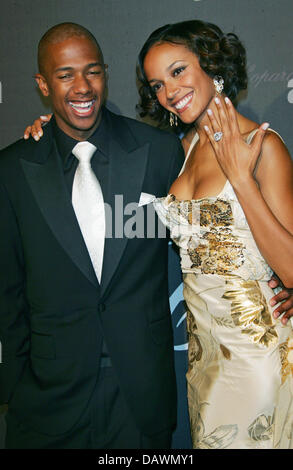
[(218, 54)]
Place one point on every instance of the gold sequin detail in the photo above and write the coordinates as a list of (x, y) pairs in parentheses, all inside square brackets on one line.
[(221, 253), (218, 214), (286, 356), (250, 312)]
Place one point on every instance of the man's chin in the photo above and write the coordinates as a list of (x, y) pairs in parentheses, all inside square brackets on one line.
[(77, 126), (85, 122), (84, 126)]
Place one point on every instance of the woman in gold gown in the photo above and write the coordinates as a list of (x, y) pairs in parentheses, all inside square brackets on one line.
[(230, 213)]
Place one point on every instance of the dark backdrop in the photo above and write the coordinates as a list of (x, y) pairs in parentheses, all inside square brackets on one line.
[(121, 27)]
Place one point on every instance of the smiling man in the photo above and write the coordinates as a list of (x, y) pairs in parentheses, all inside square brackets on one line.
[(72, 73), (85, 326)]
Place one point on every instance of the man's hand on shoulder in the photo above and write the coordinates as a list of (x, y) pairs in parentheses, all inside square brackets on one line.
[(285, 296)]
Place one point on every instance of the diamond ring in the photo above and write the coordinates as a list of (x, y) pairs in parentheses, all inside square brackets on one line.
[(218, 136)]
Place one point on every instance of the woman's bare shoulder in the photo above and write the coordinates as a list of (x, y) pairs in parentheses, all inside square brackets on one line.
[(274, 165)]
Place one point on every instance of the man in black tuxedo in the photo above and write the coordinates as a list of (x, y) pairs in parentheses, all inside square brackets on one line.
[(85, 363)]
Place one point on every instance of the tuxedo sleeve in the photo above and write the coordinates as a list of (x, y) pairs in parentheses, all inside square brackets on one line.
[(14, 327), (176, 162)]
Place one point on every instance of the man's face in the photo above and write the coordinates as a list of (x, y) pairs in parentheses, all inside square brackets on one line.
[(74, 78)]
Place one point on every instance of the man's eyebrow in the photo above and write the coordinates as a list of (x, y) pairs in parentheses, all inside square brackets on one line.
[(66, 69), (63, 69), (95, 64)]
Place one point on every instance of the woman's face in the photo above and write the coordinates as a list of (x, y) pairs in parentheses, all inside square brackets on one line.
[(180, 84)]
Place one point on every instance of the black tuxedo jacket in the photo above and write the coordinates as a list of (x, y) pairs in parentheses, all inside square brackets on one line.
[(53, 312)]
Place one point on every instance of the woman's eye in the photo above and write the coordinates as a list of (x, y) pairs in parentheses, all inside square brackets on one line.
[(156, 88), (178, 71)]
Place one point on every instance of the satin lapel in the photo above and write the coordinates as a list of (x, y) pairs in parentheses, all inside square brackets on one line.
[(127, 170), (48, 186)]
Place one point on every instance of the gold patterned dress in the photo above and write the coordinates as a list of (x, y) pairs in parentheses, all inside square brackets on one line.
[(240, 387)]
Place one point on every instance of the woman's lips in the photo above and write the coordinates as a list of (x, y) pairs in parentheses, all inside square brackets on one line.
[(184, 103)]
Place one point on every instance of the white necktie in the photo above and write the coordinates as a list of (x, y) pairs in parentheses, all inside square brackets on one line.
[(88, 204)]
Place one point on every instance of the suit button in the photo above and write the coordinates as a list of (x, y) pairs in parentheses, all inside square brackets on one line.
[(102, 308)]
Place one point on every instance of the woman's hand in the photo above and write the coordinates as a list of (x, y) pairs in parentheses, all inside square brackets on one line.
[(267, 198), (236, 157), (36, 130)]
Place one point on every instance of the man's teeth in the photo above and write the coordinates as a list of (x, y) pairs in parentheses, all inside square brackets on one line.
[(82, 107), (183, 102)]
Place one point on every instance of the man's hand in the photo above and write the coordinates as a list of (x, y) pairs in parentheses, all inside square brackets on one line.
[(286, 297), (36, 130)]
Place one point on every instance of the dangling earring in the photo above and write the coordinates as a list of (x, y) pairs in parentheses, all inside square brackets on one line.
[(219, 84), (173, 119)]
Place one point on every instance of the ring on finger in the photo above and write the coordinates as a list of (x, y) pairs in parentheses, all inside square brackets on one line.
[(218, 136)]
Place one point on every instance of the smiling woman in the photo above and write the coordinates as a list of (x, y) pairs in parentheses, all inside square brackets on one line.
[(184, 88), (231, 203), (211, 53)]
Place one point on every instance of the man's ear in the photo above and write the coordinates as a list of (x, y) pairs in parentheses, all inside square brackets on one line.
[(42, 84)]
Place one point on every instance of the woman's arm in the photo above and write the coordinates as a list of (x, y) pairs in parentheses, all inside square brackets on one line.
[(267, 202), (267, 197)]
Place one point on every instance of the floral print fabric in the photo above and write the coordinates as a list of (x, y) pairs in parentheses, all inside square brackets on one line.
[(240, 382)]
